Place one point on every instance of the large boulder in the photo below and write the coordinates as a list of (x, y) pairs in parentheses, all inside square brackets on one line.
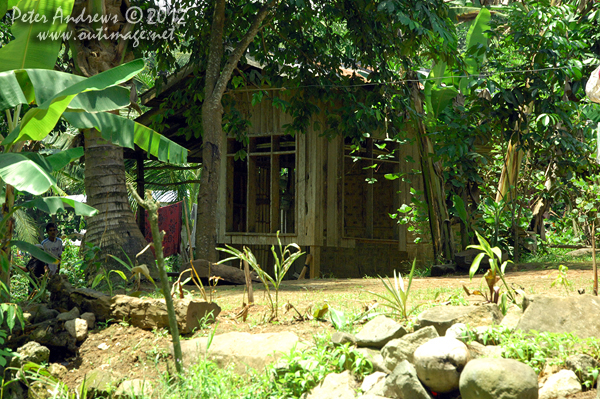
[(379, 331), (150, 313), (99, 383), (560, 385), (562, 315), (442, 317), (335, 386), (498, 379), (30, 352), (403, 383), (439, 363), (403, 348), (244, 350)]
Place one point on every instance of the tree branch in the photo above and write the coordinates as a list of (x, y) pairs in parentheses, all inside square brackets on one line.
[(239, 50)]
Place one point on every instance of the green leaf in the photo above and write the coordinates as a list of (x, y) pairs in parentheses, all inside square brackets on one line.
[(475, 264), (120, 273), (97, 280), (25, 174), (441, 98), (48, 83), (61, 159), (3, 7), (459, 205), (40, 121), (27, 50), (52, 205), (477, 36), (35, 251), (125, 132), (11, 94), (11, 317)]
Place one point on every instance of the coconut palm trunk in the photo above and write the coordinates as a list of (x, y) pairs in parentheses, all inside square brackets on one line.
[(114, 229)]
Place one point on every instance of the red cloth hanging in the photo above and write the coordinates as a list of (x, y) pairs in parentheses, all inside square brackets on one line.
[(169, 220)]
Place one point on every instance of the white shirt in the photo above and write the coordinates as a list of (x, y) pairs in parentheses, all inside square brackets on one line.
[(55, 248)]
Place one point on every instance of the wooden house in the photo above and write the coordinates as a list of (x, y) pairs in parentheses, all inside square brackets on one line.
[(328, 197)]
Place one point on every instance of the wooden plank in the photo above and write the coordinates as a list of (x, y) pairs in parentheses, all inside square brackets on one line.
[(252, 183), (301, 189), (229, 195), (333, 203), (311, 182), (275, 212), (315, 270)]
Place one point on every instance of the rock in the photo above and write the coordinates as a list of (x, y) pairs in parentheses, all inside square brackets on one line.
[(134, 389), (240, 348), (77, 328), (57, 370), (40, 390), (512, 317), (63, 295), (150, 313), (72, 314), (334, 386), (403, 348), (376, 359), (340, 338), (369, 396), (439, 362), (562, 315), (43, 313), (371, 380), (402, 383), (478, 350), (464, 259), (90, 318), (498, 379), (379, 331), (560, 385), (442, 317), (581, 364), (30, 352), (99, 383), (442, 270), (458, 331), (581, 252)]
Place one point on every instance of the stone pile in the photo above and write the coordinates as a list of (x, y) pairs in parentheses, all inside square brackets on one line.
[(61, 326)]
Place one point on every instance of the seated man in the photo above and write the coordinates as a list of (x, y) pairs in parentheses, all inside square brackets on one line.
[(53, 245)]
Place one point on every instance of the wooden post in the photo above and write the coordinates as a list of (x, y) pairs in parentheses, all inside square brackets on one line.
[(248, 283), (315, 270), (187, 227), (306, 267)]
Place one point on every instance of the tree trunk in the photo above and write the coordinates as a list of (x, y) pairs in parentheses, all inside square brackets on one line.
[(214, 143), (114, 228), (439, 219), (214, 140)]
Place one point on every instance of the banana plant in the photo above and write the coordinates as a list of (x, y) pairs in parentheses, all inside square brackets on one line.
[(442, 87)]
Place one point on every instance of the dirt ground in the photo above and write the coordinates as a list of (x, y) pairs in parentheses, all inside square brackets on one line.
[(132, 353)]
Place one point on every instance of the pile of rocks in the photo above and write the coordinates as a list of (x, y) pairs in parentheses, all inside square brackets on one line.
[(441, 357)]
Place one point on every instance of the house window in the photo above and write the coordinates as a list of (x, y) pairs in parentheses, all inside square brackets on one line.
[(369, 197), (261, 188)]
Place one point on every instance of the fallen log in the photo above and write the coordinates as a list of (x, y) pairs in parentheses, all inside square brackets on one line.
[(206, 269)]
